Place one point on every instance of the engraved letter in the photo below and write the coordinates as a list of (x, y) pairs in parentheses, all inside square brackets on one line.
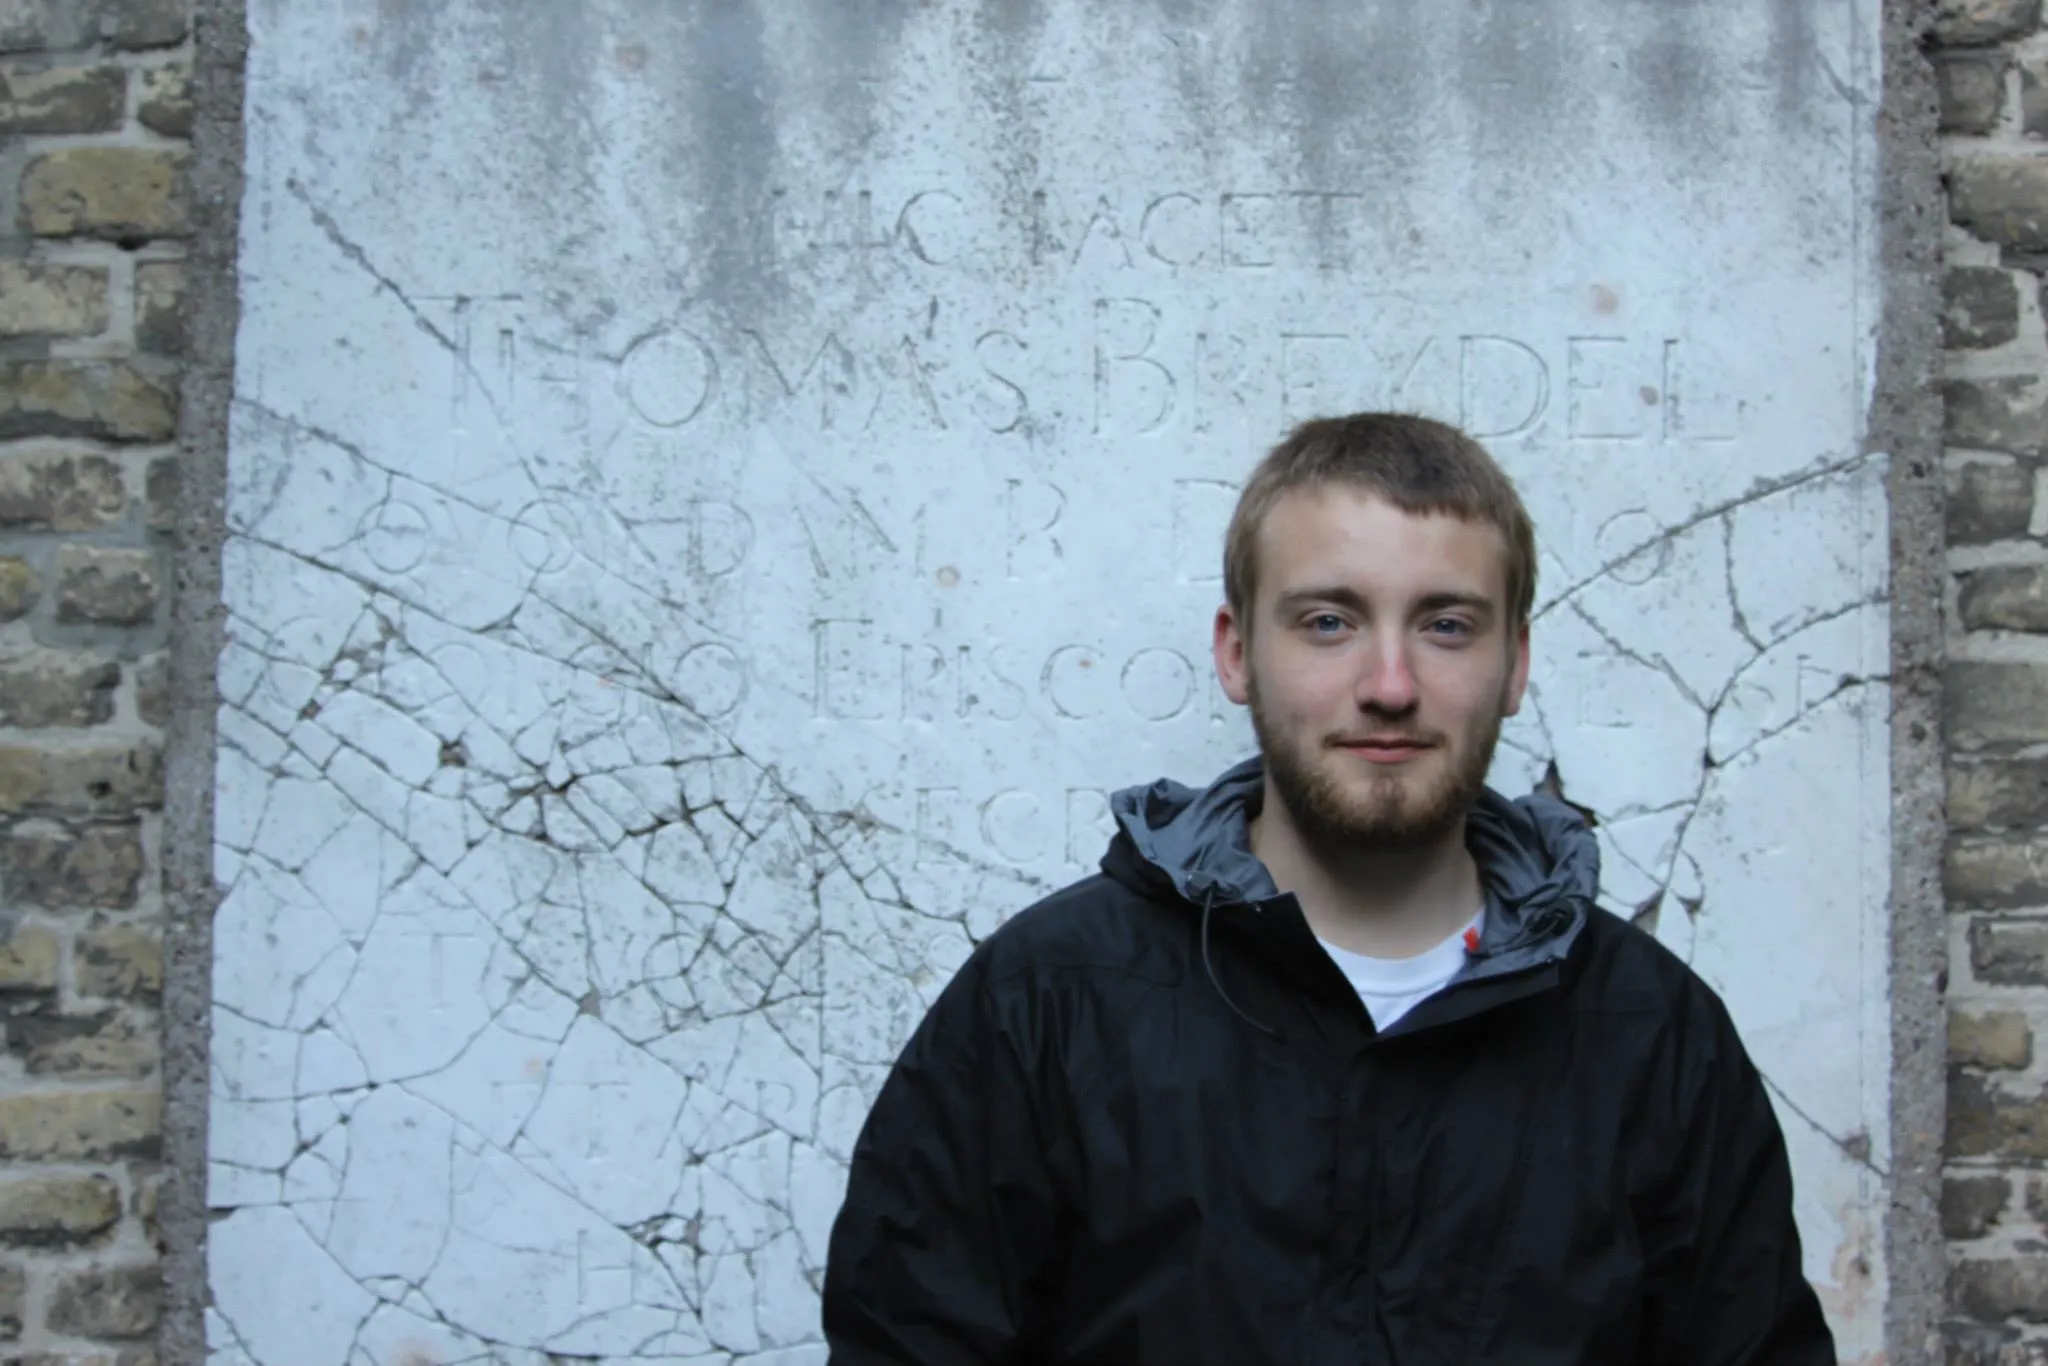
[(1246, 220), (1169, 230), (1481, 386), (1020, 805), (668, 377), (1031, 511), (1302, 371), (1586, 384), (1049, 680), (1132, 325), (1201, 513), (1000, 412), (1089, 824), (831, 667), (1157, 683)]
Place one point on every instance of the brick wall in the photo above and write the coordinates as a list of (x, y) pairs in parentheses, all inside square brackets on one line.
[(1991, 66), (94, 117)]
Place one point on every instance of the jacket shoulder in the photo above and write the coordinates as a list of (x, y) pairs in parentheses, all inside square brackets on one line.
[(1095, 923), (1621, 969)]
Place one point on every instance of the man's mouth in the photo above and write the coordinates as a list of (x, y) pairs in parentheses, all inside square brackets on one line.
[(1385, 749)]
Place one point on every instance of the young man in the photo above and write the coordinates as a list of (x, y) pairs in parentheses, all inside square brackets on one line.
[(1335, 1061)]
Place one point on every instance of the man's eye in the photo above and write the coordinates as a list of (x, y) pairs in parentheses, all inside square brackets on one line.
[(1326, 623), (1450, 626)]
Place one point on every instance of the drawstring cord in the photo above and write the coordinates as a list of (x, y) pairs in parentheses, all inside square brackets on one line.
[(1209, 966)]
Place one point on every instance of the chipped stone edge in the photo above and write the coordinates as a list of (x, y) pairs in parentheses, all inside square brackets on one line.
[(1905, 422), (220, 39)]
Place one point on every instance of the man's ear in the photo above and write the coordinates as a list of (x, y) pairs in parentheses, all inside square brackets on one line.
[(1518, 673), (1231, 649)]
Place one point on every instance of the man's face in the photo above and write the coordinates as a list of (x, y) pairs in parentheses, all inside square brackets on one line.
[(1378, 665)]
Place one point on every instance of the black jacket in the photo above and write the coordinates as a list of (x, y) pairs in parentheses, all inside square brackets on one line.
[(1150, 1122)]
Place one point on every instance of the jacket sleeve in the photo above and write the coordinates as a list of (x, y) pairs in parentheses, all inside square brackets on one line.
[(945, 1246), (1727, 1287)]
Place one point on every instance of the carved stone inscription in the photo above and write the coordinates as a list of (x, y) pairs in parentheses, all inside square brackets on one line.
[(714, 517)]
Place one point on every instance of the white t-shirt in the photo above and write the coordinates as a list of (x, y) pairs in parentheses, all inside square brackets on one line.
[(1391, 987)]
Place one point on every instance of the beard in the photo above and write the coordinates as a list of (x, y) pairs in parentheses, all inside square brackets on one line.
[(1395, 812)]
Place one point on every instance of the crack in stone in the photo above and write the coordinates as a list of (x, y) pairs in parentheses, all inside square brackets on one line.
[(1856, 1147)]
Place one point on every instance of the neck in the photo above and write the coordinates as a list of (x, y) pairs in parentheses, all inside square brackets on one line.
[(1386, 903)]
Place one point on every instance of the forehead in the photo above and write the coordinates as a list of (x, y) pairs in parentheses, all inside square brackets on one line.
[(1339, 535)]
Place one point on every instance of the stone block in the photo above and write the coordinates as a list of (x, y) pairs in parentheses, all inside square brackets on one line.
[(106, 1301), (109, 1043), (119, 961), (65, 99), (2000, 413), (2002, 198), (1985, 1120), (166, 105), (1997, 870), (97, 400), (1970, 1205), (117, 193), (1997, 1288), (28, 961), (1997, 793), (17, 588), (161, 491), (144, 23), (81, 780), (56, 688), (110, 587), (43, 1126), (1980, 307), (2006, 598), (1993, 1039), (153, 689), (98, 867), (1988, 502), (1962, 23), (60, 490), (52, 1210), (39, 302), (2009, 953), (1971, 90), (44, 25), (160, 307), (1987, 703)]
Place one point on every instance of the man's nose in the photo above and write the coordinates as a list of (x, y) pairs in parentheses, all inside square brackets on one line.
[(1388, 683)]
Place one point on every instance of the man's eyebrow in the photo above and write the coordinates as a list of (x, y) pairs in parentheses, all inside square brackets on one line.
[(1339, 596)]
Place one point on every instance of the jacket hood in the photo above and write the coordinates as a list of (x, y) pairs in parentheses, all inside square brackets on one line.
[(1538, 860)]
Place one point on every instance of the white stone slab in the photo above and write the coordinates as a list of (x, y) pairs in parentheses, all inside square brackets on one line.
[(720, 493)]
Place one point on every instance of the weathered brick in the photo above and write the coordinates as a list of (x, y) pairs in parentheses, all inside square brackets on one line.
[(60, 490), (1989, 1344), (39, 301), (2002, 1288), (153, 690), (100, 400), (161, 492), (159, 307), (1988, 502), (86, 780), (1980, 307), (1998, 413), (145, 23), (2006, 598), (2003, 199), (1990, 1039), (56, 688), (1997, 792), (1963, 23), (28, 961), (1997, 870), (107, 586), (1971, 89), (2010, 953), (1970, 1205), (118, 961), (40, 1126), (166, 105), (38, 25), (17, 587), (106, 1301), (43, 1211), (1995, 703), (13, 1300), (108, 1356), (117, 193), (108, 1043), (97, 867), (62, 99)]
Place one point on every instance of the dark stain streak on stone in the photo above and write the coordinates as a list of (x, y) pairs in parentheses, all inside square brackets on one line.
[(731, 101)]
